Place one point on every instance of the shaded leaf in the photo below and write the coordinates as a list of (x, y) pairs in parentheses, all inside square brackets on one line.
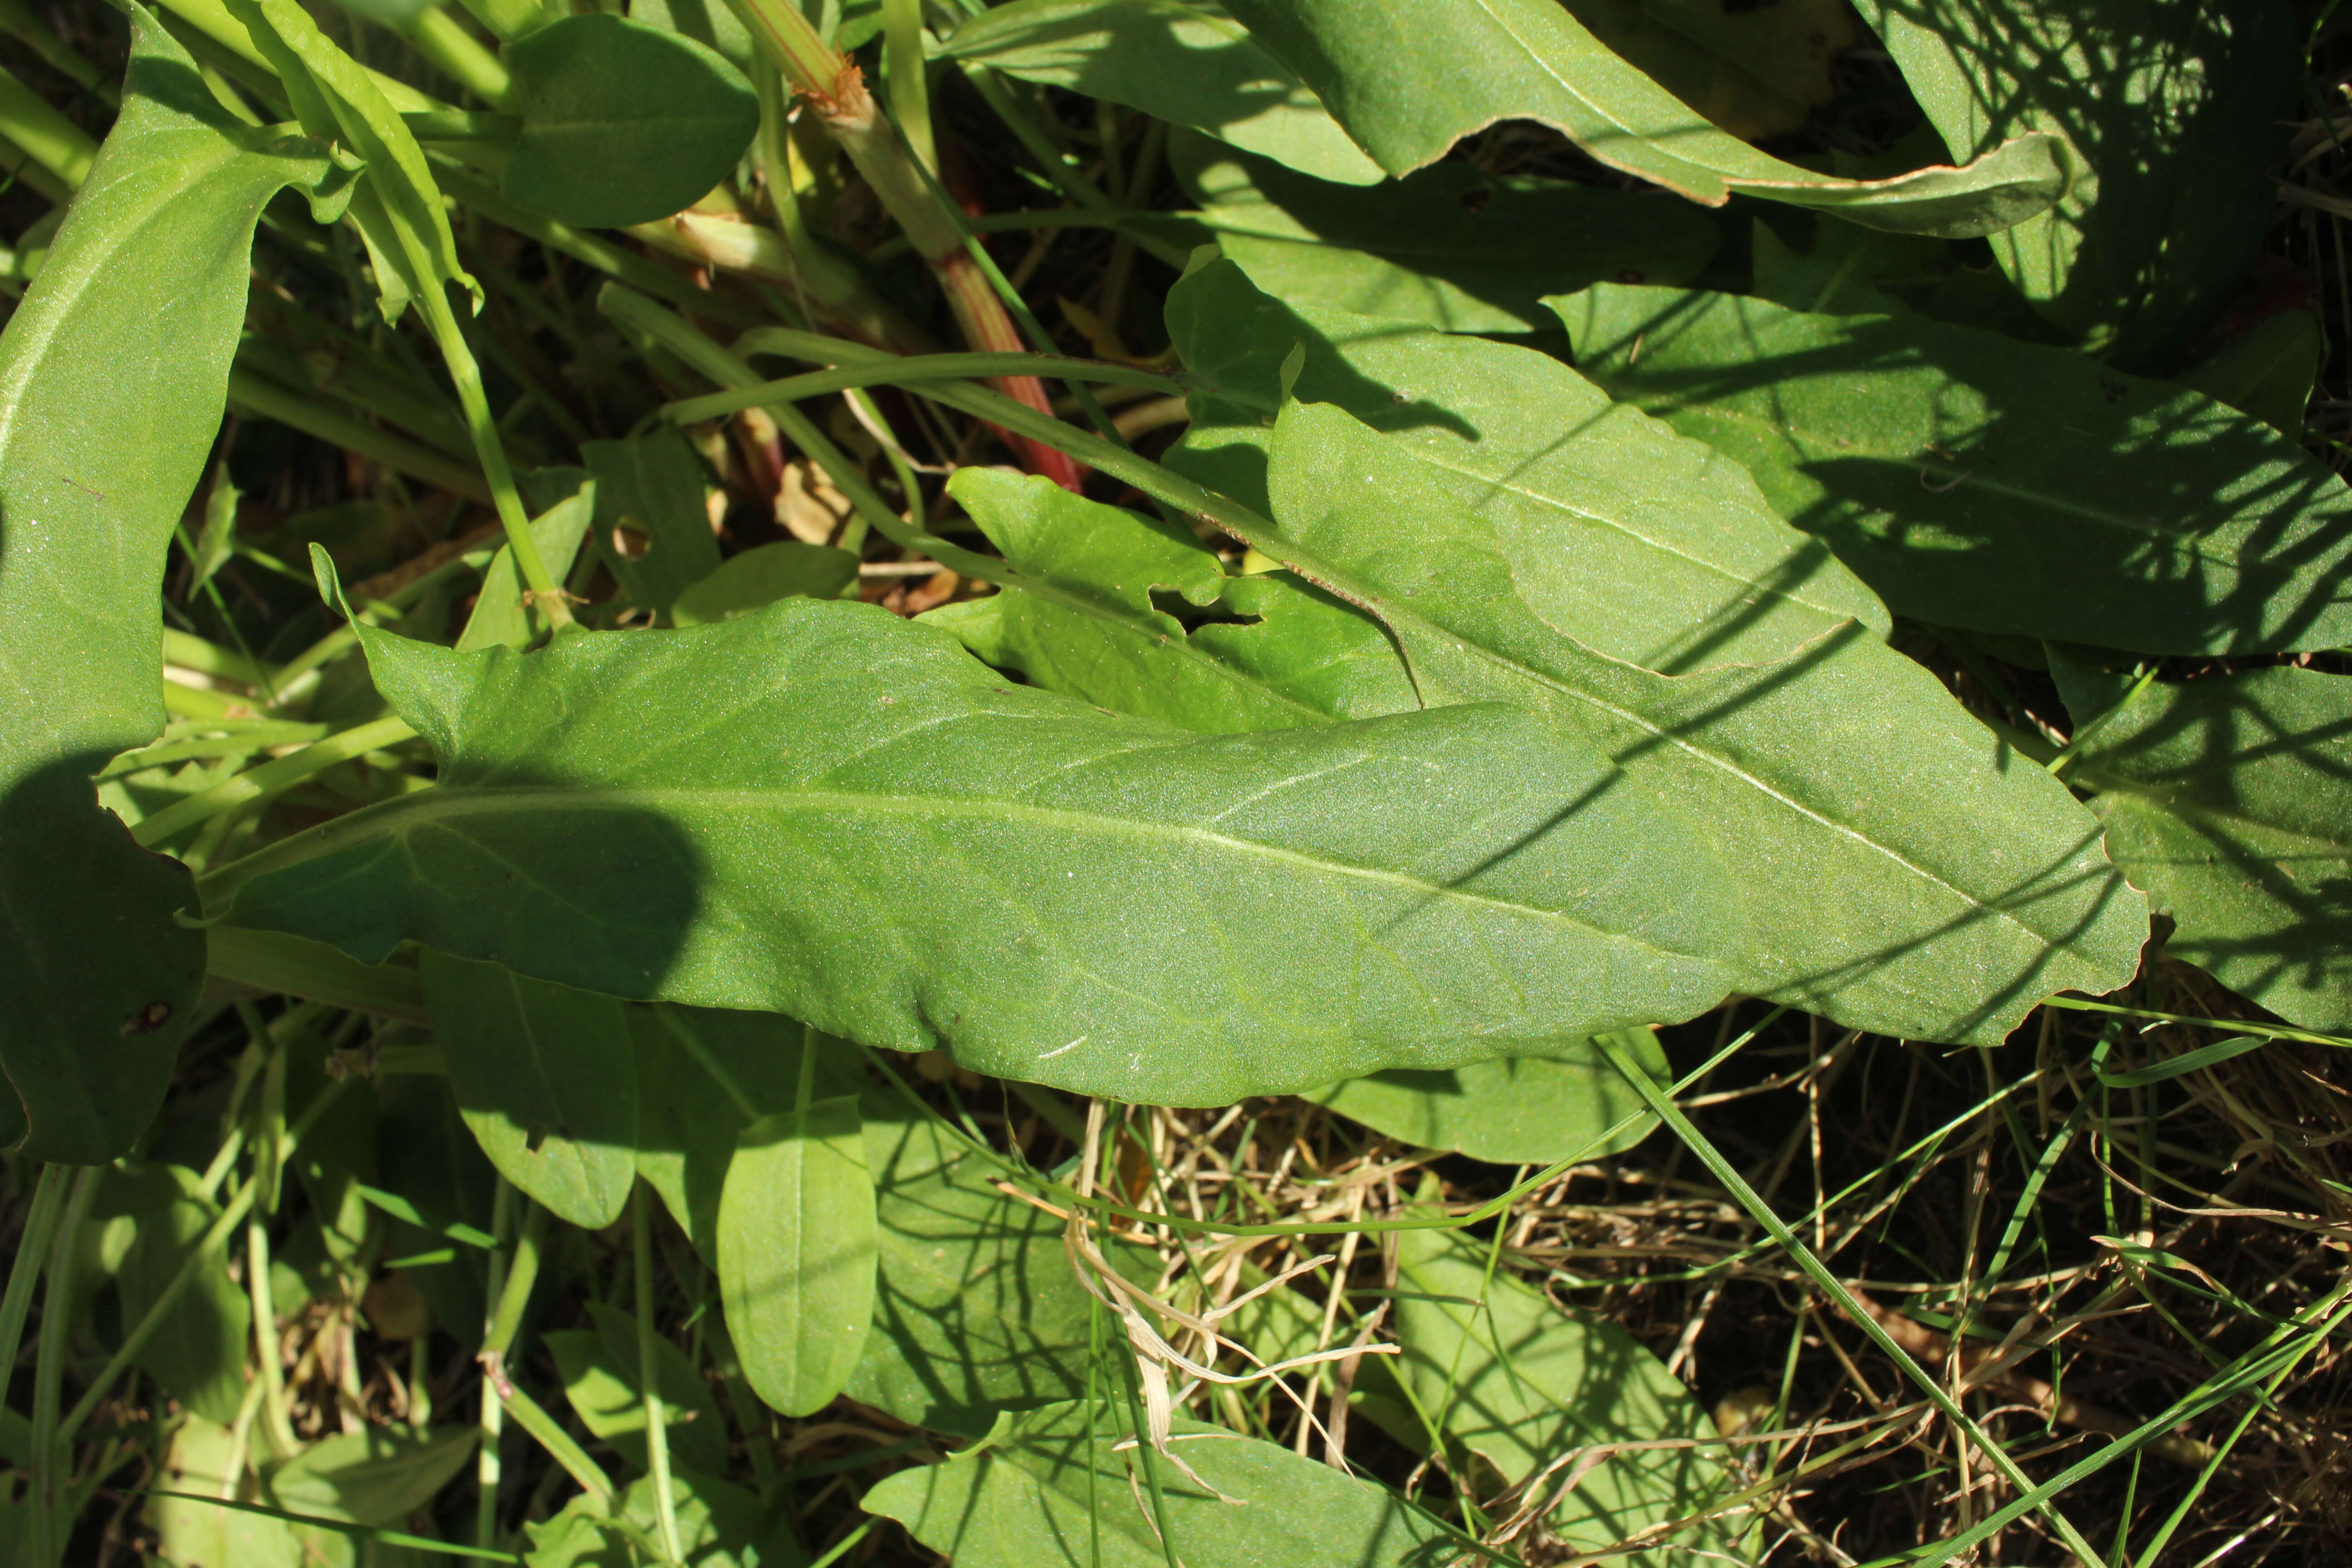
[(197, 1352), (796, 1246), (599, 1366), (1418, 890), (1043, 1489), (2172, 113), (761, 575), (2229, 800), (1451, 247), (1926, 454), (1266, 652), (622, 122), (975, 1307), (1520, 1382), (651, 526), (378, 1475), (433, 1161), (2267, 373), (1394, 72), (1636, 541), (546, 1078), (149, 270), (1518, 1111), (1175, 62), (1755, 70), (191, 1534), (720, 1525)]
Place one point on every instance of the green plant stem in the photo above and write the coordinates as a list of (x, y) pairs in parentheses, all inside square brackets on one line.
[(17, 20), (47, 1541), (437, 35), (271, 778), (641, 1252), (509, 19), (897, 371), (550, 1434), (265, 1338), (48, 137), (31, 1249), (250, 392), (1662, 1106), (902, 76)]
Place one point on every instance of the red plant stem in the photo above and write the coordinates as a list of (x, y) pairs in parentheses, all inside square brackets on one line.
[(988, 327)]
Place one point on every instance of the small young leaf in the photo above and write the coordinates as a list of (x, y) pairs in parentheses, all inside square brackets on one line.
[(761, 575), (796, 1249), (546, 1078), (1929, 457), (1521, 1383), (378, 1475), (622, 122), (1518, 1111), (1047, 1488), (1268, 652), (599, 1366), (198, 1352), (1175, 62), (651, 526), (720, 1525), (499, 619)]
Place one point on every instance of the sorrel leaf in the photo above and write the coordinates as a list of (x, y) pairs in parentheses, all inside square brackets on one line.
[(2172, 113), (1516, 1110), (1930, 458), (1176, 62), (796, 1252), (1418, 890), (1046, 1489), (1399, 74), (622, 124), (96, 465), (1448, 247), (2229, 800)]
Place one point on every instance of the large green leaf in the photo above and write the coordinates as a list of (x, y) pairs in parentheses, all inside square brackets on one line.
[(113, 372), (1410, 78), (601, 1380), (1907, 873), (796, 1252), (2229, 800), (1756, 71), (1977, 482), (1521, 1383), (1518, 1111), (546, 1078), (1636, 542), (1450, 246), (622, 122), (1175, 61), (1266, 652), (758, 813), (2173, 113), (1048, 1488)]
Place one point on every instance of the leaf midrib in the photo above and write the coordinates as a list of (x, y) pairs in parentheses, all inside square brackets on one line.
[(449, 804)]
